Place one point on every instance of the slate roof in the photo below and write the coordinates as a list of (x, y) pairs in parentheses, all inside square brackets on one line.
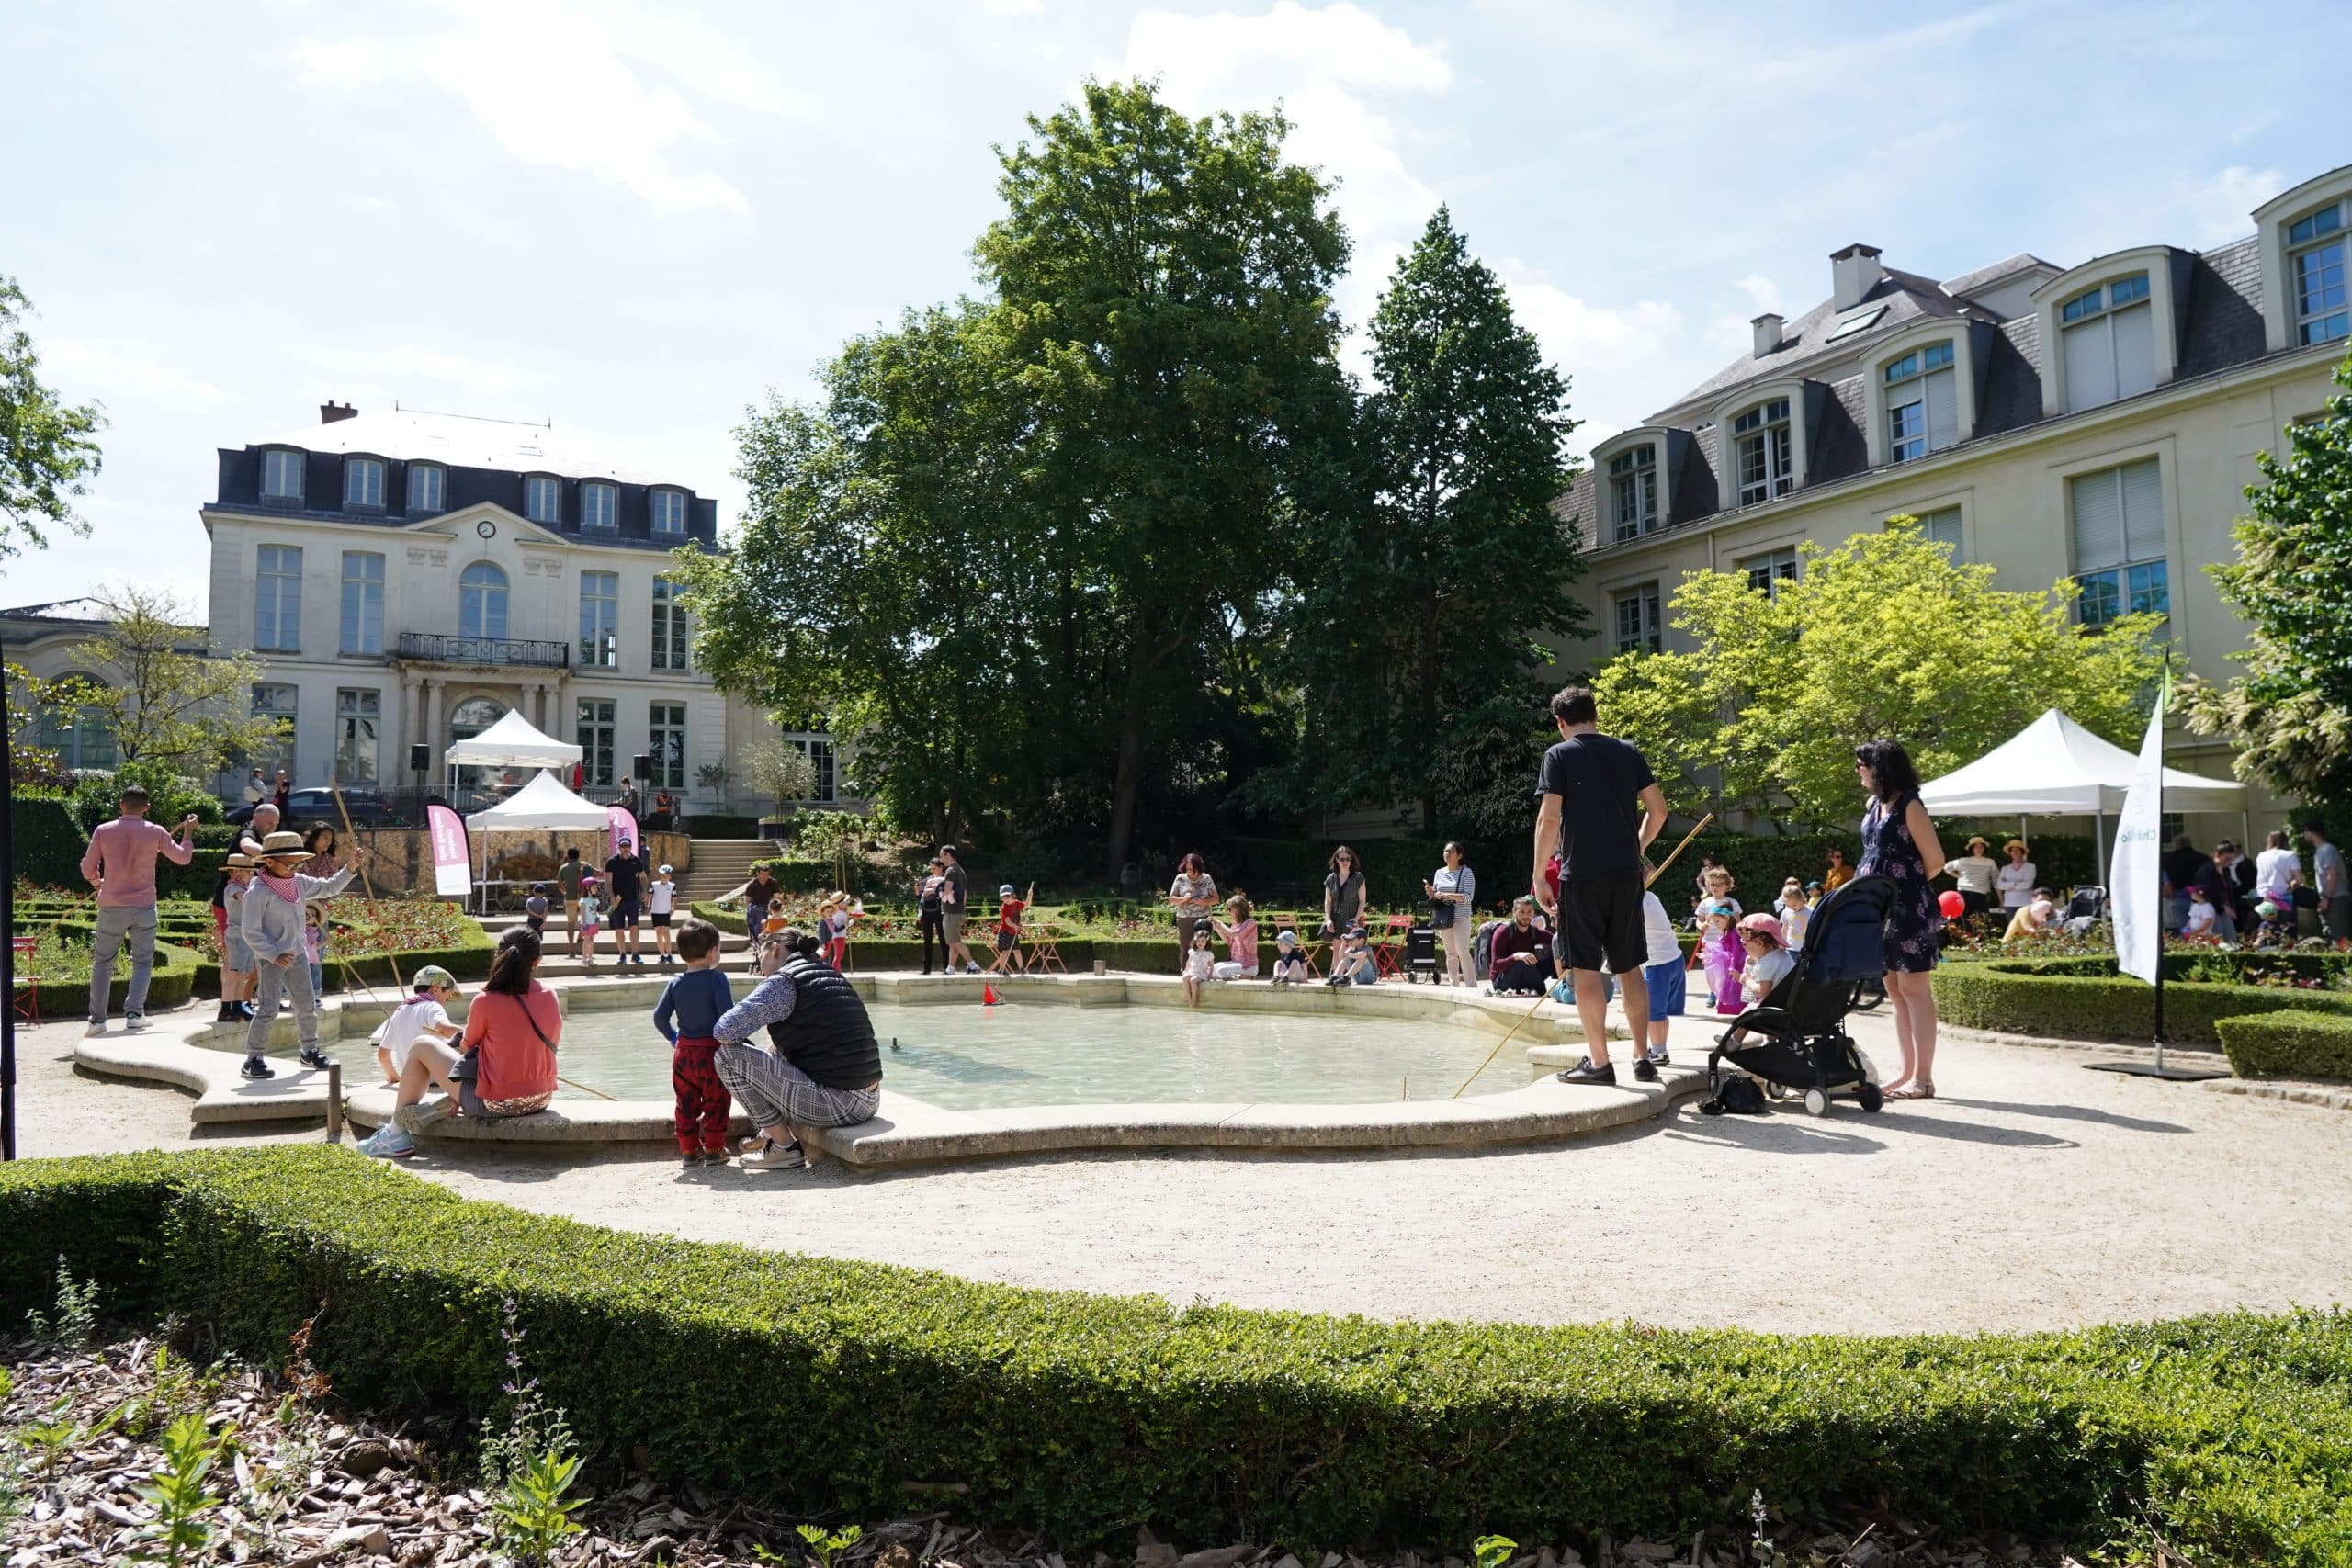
[(2012, 389), (2224, 308), (1903, 296), (1968, 283)]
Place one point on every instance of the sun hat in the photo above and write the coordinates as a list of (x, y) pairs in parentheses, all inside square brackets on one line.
[(1287, 939), (1764, 925), (240, 862), (1980, 838), (432, 977), (282, 845), (2015, 844)]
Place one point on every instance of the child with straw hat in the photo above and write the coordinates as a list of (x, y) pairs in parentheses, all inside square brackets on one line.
[(270, 917)]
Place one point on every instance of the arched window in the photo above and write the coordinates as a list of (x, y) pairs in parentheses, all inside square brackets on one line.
[(79, 735), (471, 718), (481, 601)]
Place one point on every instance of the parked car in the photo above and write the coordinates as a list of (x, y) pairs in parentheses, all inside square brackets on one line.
[(307, 808)]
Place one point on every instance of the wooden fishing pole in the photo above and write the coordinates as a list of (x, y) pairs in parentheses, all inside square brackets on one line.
[(1646, 883)]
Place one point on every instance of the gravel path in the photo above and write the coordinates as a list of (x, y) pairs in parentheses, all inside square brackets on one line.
[(2036, 1195)]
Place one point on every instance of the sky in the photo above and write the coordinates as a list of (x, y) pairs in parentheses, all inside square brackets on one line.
[(635, 220)]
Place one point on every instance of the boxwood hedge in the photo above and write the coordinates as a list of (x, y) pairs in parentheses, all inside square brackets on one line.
[(2057, 998), (1086, 1416), (171, 982), (2297, 1043)]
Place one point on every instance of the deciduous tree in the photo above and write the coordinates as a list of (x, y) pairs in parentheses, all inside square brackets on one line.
[(48, 450), (167, 701)]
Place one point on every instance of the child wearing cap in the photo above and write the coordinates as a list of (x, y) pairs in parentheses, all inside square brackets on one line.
[(535, 909), (1768, 964), (426, 1011), (1355, 963), (661, 903), (1290, 961), (419, 1047), (591, 916), (270, 916), (1009, 907)]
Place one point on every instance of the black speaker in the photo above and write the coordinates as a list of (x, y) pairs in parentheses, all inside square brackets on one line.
[(420, 757), (641, 765)]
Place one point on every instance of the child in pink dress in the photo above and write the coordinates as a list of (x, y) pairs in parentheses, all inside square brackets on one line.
[(1720, 955)]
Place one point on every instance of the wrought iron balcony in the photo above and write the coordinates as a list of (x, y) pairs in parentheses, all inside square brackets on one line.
[(435, 649)]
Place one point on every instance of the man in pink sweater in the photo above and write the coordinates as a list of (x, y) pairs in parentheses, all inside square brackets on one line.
[(120, 863)]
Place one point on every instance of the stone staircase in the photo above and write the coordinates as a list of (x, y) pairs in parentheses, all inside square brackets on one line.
[(720, 865)]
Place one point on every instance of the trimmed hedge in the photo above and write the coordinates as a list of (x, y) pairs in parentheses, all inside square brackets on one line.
[(45, 843), (2026, 997), (1086, 1416), (2296, 1043), (171, 982)]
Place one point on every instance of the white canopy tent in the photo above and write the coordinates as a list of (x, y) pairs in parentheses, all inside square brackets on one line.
[(545, 805), (512, 742), (2054, 767)]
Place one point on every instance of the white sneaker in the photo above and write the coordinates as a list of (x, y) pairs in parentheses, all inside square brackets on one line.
[(132, 1022), (772, 1156), (98, 1026)]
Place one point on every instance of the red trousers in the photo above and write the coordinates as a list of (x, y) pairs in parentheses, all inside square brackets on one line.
[(702, 1102)]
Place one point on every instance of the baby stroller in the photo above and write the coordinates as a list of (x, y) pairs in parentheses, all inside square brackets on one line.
[(2085, 909), (1797, 1040)]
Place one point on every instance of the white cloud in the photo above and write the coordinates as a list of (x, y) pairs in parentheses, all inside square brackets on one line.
[(1762, 292), (123, 371), (1013, 7), (373, 376), (564, 83), (2223, 206)]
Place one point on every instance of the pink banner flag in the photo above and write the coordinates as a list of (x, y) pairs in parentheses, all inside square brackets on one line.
[(452, 860), (622, 827)]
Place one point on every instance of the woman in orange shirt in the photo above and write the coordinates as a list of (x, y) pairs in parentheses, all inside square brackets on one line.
[(510, 1032)]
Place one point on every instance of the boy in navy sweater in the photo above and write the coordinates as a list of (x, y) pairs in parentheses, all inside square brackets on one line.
[(687, 1013)]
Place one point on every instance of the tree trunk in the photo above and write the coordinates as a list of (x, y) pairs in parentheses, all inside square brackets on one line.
[(1126, 777), (1426, 734)]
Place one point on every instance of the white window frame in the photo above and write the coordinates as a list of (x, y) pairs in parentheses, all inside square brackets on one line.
[(1909, 381), (1648, 631), (600, 496), (1767, 569), (363, 483), (2331, 231), (476, 601), (1945, 525), (1633, 482), (535, 487), (671, 646), (823, 763), (277, 463), (277, 599), (593, 732), (2126, 579), (2274, 220), (359, 733), (669, 514), (433, 481), (267, 704), (665, 742), (80, 735), (2165, 271), (360, 622), (600, 620), (1770, 424)]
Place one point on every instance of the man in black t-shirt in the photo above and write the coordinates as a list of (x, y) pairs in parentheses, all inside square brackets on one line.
[(1587, 793), (623, 875)]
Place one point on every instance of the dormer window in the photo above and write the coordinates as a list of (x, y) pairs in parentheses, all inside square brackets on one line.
[(669, 515), (428, 484), (1633, 493), (281, 474), (599, 506), (2315, 269), (543, 500), (2110, 334), (1922, 403), (1760, 441), (363, 483)]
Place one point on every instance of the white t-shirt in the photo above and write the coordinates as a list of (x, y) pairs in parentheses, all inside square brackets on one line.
[(1756, 981), (2273, 874), (661, 897), (410, 1021), (2200, 920), (2017, 883), (1793, 926), (1974, 873)]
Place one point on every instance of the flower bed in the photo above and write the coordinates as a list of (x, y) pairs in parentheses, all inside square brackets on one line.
[(66, 993), (1085, 1416)]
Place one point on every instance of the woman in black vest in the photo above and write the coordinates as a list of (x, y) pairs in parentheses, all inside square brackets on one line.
[(826, 1068)]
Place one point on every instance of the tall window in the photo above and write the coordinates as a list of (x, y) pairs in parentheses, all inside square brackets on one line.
[(669, 625), (426, 486), (2111, 342), (1637, 620), (669, 515), (543, 500), (820, 763), (1767, 571), (1633, 491), (276, 700), (1941, 526), (363, 604), (363, 481), (356, 712), (599, 506), (281, 475), (1922, 403), (2118, 523), (2315, 256), (277, 599), (80, 735), (482, 601), (1761, 438), (665, 741), (595, 739), (600, 619)]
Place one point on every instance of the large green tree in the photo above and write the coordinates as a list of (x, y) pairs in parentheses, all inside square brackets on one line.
[(1420, 620), (48, 450), (1885, 636), (167, 702), (1166, 284), (2290, 713)]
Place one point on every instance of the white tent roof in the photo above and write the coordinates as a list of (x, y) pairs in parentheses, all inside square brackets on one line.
[(543, 803), (2055, 767), (511, 742)]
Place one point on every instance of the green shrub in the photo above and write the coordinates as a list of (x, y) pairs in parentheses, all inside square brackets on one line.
[(714, 825), (1088, 1415), (2297, 1043), (45, 843), (98, 796), (171, 982), (2053, 997)]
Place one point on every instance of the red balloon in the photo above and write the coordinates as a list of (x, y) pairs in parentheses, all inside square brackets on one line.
[(1952, 905)]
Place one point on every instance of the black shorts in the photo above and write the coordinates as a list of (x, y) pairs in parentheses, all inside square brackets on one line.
[(625, 911), (1007, 941), (660, 920), (1600, 920)]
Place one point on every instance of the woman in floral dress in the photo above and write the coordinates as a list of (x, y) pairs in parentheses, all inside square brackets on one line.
[(1899, 843)]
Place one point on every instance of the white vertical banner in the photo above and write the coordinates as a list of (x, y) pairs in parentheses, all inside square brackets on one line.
[(2133, 890)]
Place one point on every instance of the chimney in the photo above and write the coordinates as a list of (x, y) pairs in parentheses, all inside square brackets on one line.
[(331, 412), (1852, 271), (1768, 333)]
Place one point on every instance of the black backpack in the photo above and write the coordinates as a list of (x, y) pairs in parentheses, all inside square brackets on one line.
[(1739, 1094)]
